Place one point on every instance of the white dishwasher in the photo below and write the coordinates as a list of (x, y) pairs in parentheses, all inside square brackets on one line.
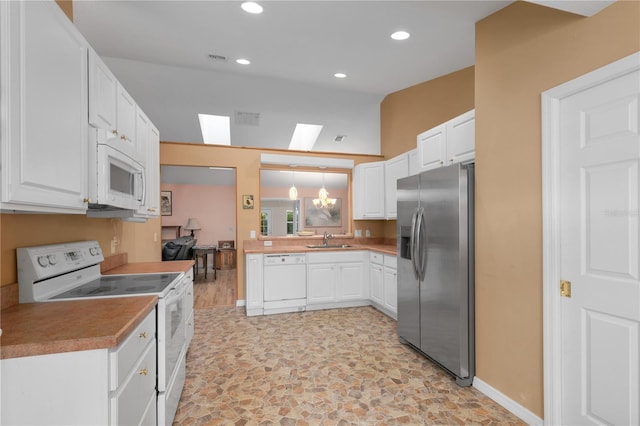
[(285, 282)]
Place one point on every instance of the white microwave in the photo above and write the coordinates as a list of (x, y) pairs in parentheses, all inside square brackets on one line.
[(116, 180)]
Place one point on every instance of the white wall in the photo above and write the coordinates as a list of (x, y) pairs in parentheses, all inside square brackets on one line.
[(172, 97)]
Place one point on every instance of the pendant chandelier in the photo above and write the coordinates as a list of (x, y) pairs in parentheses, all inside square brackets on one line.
[(293, 192), (323, 200)]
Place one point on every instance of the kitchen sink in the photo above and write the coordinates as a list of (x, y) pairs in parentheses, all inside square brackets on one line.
[(328, 246)]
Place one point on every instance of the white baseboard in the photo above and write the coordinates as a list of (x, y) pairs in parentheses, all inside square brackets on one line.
[(508, 403), (239, 302)]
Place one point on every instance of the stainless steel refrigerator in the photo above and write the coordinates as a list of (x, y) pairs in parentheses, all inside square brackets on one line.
[(436, 267)]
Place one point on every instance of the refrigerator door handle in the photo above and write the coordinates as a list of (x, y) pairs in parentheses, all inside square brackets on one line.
[(420, 245), (412, 245)]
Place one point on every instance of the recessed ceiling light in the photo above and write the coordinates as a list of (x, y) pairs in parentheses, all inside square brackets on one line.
[(340, 75), (400, 35), (243, 61), (251, 7)]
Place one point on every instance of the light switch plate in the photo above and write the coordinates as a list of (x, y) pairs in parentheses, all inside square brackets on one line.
[(252, 234), (358, 233), (268, 243)]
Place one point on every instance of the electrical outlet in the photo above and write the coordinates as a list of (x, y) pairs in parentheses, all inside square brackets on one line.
[(113, 246), (358, 233), (367, 233), (155, 237), (252, 234)]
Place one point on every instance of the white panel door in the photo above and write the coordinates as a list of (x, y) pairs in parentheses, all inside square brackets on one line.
[(599, 253)]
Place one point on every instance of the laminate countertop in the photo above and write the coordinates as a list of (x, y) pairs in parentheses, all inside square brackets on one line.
[(31, 329), (380, 248)]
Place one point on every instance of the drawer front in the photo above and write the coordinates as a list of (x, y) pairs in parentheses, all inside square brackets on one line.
[(125, 356), (375, 258), (391, 262), (336, 256), (190, 324), (189, 273), (129, 405)]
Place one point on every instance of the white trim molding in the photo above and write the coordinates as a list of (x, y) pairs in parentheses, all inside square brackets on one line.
[(306, 161), (524, 414), (552, 356)]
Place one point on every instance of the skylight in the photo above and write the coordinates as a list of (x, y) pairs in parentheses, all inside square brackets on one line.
[(215, 129), (305, 136)]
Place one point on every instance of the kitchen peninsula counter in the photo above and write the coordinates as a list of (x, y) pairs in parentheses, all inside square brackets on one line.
[(297, 247), (31, 329)]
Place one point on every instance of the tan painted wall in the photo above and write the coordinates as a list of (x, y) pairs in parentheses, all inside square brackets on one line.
[(67, 8), (521, 51), (406, 113)]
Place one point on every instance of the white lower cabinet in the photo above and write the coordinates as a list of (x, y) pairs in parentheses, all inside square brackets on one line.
[(376, 278), (390, 285), (254, 284), (383, 283), (337, 279), (101, 386)]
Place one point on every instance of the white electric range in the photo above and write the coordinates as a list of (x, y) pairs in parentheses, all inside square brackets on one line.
[(71, 271)]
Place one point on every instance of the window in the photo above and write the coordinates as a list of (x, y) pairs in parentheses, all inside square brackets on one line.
[(265, 222), (289, 222)]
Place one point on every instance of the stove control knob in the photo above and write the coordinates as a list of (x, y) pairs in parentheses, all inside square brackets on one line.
[(93, 251), (43, 261), (52, 259)]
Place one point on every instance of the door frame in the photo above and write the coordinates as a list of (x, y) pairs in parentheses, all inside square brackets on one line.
[(552, 356)]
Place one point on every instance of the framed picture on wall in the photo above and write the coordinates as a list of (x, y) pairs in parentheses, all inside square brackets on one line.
[(322, 216), (247, 201), (165, 203)]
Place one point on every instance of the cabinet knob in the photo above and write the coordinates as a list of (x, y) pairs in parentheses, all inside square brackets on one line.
[(115, 131), (85, 200), (442, 162), (123, 137), (143, 372), (143, 335)]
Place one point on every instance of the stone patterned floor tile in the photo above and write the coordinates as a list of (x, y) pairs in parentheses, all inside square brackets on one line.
[(331, 367)]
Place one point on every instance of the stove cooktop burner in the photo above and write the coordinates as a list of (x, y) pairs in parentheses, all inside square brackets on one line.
[(120, 285)]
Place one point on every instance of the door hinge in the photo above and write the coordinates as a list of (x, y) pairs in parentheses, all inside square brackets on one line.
[(565, 288)]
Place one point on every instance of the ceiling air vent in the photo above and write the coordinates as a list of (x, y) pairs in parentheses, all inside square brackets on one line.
[(247, 118), (340, 138), (217, 57)]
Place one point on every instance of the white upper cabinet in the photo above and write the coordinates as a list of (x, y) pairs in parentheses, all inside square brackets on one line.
[(413, 162), (44, 107), (432, 150), (153, 172), (461, 138), (368, 190), (394, 169), (449, 143), (103, 93), (113, 109)]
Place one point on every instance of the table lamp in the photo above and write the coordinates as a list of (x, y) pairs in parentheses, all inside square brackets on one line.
[(192, 225)]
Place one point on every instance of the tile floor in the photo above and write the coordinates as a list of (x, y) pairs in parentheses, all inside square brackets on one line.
[(332, 367)]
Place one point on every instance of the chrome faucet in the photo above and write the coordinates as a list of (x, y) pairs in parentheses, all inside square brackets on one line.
[(326, 237)]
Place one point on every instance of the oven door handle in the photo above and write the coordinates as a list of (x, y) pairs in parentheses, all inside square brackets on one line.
[(172, 297)]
